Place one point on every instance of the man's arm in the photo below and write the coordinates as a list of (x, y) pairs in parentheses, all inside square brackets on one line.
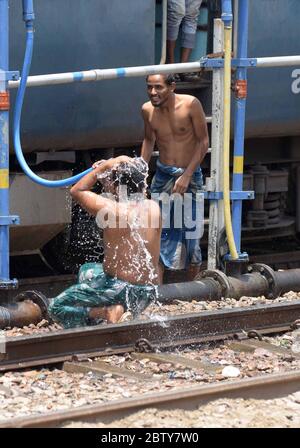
[(201, 134), (80, 192), (149, 137)]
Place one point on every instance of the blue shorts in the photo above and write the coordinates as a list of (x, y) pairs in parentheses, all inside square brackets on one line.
[(178, 247)]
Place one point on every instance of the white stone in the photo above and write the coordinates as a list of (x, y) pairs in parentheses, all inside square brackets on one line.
[(231, 372)]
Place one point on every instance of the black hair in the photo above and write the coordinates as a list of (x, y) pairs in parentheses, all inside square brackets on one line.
[(128, 174), (169, 79)]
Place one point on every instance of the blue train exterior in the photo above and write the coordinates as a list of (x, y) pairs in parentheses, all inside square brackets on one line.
[(92, 120), (81, 35)]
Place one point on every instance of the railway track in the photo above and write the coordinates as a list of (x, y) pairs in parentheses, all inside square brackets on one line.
[(91, 351), (64, 345), (270, 387), (95, 351)]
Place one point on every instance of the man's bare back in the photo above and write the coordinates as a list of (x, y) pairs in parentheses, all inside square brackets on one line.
[(132, 253), (132, 229)]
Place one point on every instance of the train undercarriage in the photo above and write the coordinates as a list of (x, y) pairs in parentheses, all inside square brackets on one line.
[(60, 236)]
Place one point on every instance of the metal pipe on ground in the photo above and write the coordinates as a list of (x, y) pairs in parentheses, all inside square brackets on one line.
[(29, 307), (253, 285), (214, 284), (211, 285), (287, 281), (20, 314), (207, 289)]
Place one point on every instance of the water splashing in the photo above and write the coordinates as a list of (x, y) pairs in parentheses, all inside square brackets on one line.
[(131, 199)]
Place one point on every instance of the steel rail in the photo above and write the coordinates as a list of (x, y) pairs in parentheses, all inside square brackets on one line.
[(45, 349), (264, 387)]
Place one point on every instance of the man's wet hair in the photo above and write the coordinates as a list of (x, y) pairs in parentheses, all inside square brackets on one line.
[(169, 79), (128, 174)]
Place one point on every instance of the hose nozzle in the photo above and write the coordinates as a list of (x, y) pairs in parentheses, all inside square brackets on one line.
[(227, 16), (28, 12)]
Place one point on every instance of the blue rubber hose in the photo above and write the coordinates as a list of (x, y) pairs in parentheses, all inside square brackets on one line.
[(17, 119)]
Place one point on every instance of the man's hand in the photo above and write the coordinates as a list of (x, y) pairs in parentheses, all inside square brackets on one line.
[(182, 183)]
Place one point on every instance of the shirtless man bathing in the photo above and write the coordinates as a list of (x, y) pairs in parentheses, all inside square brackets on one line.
[(124, 281), (178, 126)]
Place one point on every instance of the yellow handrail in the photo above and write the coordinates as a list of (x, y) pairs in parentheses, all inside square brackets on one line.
[(226, 141)]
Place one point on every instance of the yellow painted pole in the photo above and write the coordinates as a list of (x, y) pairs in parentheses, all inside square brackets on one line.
[(226, 145)]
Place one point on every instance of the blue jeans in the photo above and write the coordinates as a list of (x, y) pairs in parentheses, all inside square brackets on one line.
[(185, 12)]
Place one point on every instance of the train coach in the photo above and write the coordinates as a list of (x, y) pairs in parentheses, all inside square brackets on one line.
[(66, 127)]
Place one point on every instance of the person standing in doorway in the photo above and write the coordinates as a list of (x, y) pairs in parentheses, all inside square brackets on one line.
[(177, 125), (185, 13)]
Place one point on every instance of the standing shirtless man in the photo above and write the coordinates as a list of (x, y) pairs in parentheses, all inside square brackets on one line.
[(131, 234), (178, 126)]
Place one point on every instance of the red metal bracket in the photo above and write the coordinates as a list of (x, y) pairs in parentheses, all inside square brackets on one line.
[(241, 89), (4, 101)]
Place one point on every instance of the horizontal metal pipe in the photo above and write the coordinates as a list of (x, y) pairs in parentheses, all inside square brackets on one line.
[(212, 287), (207, 289), (128, 72), (110, 73), (20, 314), (287, 281), (278, 61), (251, 285)]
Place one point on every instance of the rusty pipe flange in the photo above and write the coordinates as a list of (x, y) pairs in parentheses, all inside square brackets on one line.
[(36, 297), (219, 277), (269, 275)]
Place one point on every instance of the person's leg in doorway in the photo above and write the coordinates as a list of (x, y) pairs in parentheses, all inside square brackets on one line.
[(176, 13)]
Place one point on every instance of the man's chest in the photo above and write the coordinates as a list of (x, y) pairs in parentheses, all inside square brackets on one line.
[(178, 124)]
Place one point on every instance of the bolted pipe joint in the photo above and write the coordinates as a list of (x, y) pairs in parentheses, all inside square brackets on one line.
[(260, 280), (251, 285)]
